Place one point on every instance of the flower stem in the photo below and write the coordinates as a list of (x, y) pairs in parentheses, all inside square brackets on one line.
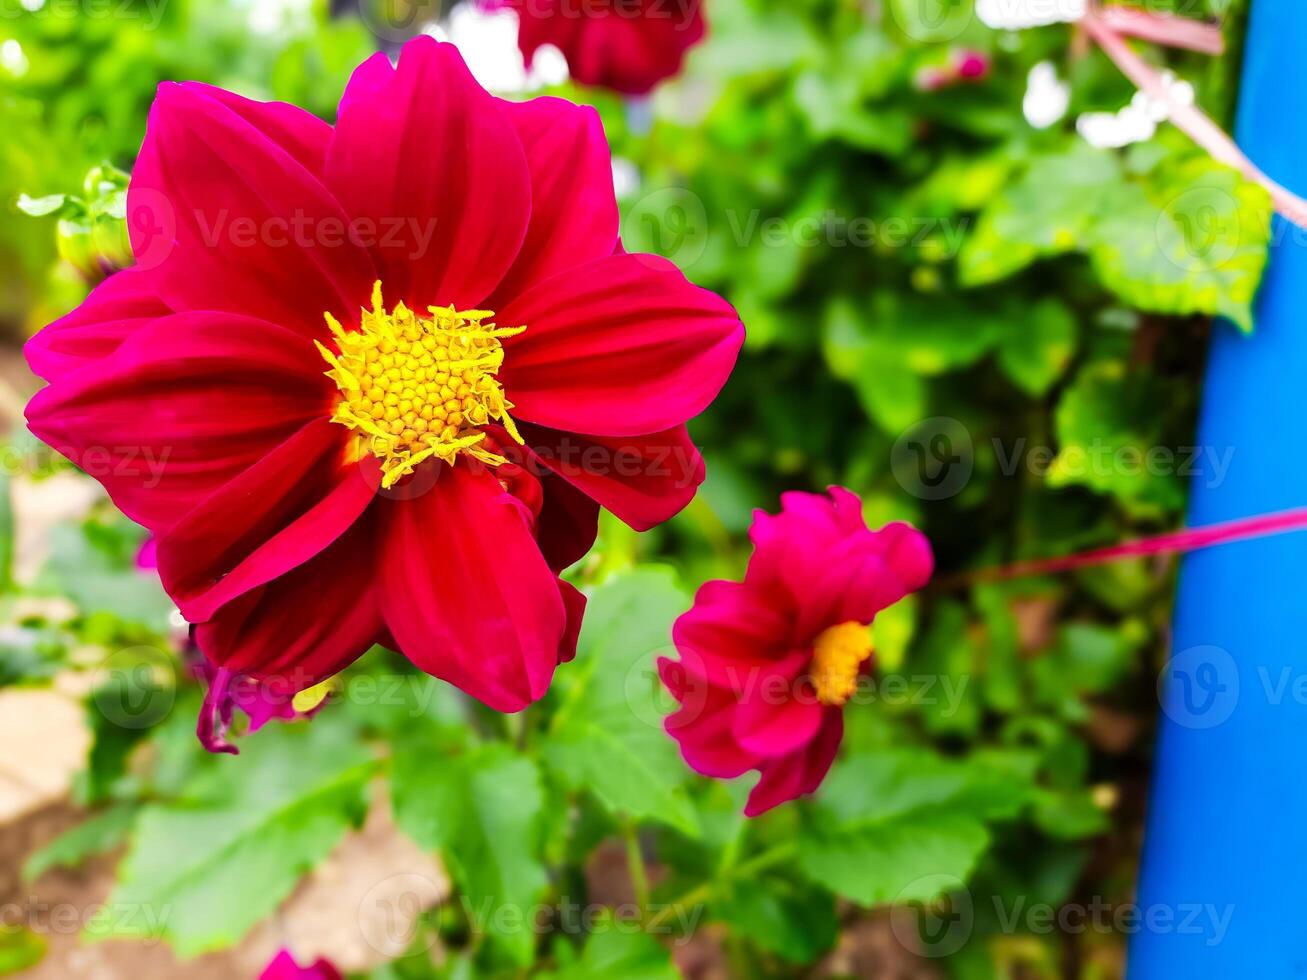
[(759, 862), (635, 865)]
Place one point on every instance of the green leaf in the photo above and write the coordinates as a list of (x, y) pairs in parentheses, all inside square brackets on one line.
[(1069, 814), (607, 736), (39, 207), (1197, 243), (892, 825), (1035, 355), (796, 922), (82, 566), (617, 949), (20, 948), (30, 655), (892, 631), (96, 835), (481, 810), (898, 860), (203, 869), (1048, 211), (1109, 425)]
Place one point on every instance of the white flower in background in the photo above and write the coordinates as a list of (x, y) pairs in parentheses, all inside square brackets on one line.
[(13, 59), (1016, 15), (626, 177), (1047, 96), (278, 16), (487, 40), (1137, 121)]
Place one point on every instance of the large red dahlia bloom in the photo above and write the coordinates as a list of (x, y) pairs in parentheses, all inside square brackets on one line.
[(768, 664), (371, 383), (628, 46)]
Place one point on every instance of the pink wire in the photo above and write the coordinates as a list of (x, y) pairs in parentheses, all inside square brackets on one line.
[(1176, 542)]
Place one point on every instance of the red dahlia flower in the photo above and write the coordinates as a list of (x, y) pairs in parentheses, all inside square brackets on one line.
[(303, 392), (628, 46), (284, 967), (768, 664)]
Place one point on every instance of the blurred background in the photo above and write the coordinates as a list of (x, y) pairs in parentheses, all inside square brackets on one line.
[(978, 273)]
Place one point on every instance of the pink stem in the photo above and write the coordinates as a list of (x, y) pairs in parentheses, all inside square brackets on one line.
[(1190, 119), (1164, 29), (1177, 542)]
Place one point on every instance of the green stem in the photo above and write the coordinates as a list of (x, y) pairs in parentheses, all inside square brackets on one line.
[(745, 869), (635, 864)]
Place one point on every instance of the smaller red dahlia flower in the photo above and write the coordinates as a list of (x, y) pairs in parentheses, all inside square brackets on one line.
[(628, 46), (768, 664), (284, 967)]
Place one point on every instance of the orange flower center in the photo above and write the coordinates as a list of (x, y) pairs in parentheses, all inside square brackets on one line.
[(837, 656), (419, 387)]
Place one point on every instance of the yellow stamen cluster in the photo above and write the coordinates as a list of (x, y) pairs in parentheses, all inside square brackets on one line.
[(419, 387), (837, 656)]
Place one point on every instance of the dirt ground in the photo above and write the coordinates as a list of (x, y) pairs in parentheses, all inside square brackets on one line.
[(343, 911)]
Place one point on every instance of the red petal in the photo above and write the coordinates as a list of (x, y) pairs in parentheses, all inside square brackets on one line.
[(574, 602), (234, 220), (466, 592), (644, 480), (299, 132), (370, 76), (431, 159), (305, 626), (798, 774), (183, 406), (729, 635), (566, 520), (628, 51), (703, 724), (275, 516), (775, 718), (568, 523), (124, 302), (623, 345), (574, 209)]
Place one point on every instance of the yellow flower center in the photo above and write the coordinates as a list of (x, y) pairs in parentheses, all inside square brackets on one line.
[(837, 655), (419, 387)]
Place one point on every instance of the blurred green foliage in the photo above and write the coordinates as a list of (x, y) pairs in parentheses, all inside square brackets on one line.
[(993, 330)]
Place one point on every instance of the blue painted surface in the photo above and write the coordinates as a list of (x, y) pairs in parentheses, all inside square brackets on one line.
[(1227, 828)]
